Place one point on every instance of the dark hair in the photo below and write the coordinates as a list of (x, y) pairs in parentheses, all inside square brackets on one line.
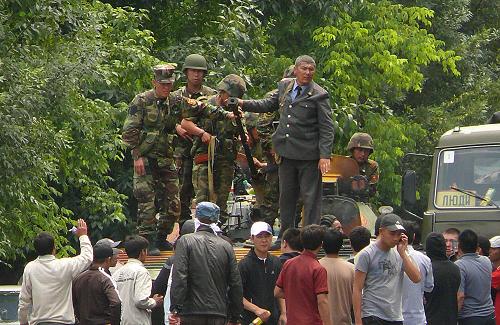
[(292, 237), (452, 231), (484, 244), (332, 241), (312, 236), (418, 233), (44, 243), (359, 238), (467, 241), (409, 230), (134, 245), (377, 225)]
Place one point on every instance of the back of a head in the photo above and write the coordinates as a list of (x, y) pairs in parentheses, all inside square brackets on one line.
[(435, 246), (484, 244), (332, 241), (134, 245), (44, 243), (417, 229), (409, 230), (359, 238), (292, 237), (312, 236), (467, 241)]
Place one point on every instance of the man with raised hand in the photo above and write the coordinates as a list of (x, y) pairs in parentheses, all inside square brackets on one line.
[(47, 281)]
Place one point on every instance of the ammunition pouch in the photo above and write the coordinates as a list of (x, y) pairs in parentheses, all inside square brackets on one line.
[(147, 143)]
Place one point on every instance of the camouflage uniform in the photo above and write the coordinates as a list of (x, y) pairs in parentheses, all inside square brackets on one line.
[(227, 144), (266, 188), (149, 132), (184, 158), (368, 168)]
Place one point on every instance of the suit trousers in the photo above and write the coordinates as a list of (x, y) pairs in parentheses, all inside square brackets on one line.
[(299, 178)]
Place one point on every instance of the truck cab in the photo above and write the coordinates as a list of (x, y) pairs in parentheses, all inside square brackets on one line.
[(465, 182)]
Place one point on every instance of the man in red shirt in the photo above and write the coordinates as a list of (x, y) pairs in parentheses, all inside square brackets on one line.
[(303, 283), (495, 276)]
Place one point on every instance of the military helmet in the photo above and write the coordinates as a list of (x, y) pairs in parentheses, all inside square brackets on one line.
[(195, 61), (288, 73), (164, 73), (327, 220), (234, 85), (360, 140)]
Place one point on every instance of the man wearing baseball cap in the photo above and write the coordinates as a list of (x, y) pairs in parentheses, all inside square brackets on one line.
[(495, 275), (105, 305), (259, 271), (113, 265), (379, 273), (206, 284)]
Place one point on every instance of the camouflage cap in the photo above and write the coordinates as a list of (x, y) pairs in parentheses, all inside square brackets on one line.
[(234, 85), (251, 120), (164, 73)]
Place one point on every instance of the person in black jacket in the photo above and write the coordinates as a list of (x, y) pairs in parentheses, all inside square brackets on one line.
[(259, 271), (206, 284), (441, 304)]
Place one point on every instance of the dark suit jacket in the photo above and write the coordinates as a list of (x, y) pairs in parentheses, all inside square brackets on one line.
[(305, 131)]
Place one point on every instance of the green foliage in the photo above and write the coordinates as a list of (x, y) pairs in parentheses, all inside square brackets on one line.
[(69, 68), (379, 47), (58, 138)]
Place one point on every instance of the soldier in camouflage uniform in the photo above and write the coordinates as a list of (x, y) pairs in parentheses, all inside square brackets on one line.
[(149, 131), (195, 68), (361, 146), (223, 136)]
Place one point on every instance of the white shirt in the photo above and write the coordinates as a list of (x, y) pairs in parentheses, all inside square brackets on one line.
[(134, 285), (47, 285)]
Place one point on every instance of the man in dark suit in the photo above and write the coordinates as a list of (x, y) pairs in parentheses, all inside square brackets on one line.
[(303, 140)]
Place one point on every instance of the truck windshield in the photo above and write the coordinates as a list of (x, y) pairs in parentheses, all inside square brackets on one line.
[(475, 170)]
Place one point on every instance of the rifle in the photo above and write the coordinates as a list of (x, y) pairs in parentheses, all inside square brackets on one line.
[(232, 104)]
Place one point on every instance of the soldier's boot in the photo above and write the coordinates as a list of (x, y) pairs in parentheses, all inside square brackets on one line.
[(162, 244)]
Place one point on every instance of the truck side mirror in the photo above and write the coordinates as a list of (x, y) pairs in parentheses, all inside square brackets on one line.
[(409, 188)]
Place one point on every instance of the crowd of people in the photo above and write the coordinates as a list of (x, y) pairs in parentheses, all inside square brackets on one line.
[(388, 281), (184, 144)]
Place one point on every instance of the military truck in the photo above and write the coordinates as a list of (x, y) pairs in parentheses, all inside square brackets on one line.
[(465, 182)]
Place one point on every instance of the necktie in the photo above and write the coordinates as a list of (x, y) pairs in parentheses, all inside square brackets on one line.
[(299, 89)]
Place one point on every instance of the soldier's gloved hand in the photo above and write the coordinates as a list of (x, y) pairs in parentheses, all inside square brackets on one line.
[(139, 167)]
